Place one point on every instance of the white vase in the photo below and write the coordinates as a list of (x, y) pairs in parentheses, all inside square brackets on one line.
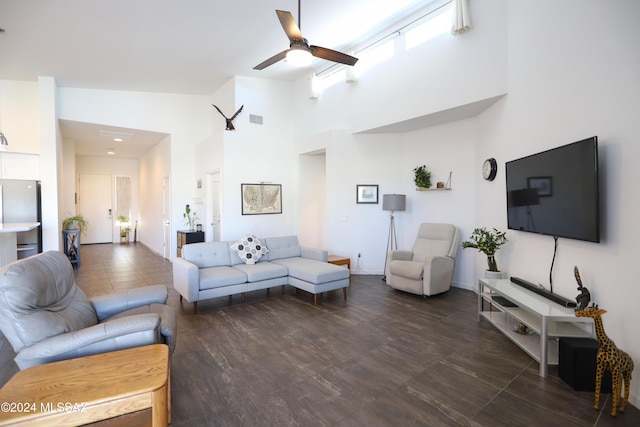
[(493, 274)]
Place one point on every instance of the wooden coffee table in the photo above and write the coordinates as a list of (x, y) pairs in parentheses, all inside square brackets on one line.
[(89, 389)]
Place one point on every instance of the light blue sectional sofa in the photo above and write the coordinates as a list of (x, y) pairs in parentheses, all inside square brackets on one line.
[(214, 269)]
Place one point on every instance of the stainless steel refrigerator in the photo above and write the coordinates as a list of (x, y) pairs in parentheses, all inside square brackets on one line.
[(20, 202)]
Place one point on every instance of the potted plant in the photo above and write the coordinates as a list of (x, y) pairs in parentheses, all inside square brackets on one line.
[(190, 217), (123, 220), (76, 222), (422, 177), (488, 242)]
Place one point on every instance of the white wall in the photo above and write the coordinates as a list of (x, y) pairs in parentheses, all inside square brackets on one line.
[(153, 167), (19, 115), (258, 153), (571, 71)]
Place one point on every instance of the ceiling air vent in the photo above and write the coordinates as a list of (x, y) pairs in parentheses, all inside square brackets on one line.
[(255, 119), (112, 134)]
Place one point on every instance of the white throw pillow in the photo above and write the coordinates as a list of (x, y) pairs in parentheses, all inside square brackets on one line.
[(249, 249)]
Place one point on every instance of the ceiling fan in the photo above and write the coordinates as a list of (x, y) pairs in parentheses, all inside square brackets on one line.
[(299, 46)]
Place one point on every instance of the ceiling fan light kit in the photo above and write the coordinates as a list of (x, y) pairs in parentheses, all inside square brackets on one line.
[(299, 57)]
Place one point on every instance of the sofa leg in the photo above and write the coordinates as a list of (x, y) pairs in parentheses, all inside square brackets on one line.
[(195, 307), (282, 289), (315, 299), (180, 298), (242, 297), (344, 291)]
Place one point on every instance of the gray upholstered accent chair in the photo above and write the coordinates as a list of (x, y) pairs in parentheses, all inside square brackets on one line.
[(46, 317), (427, 269)]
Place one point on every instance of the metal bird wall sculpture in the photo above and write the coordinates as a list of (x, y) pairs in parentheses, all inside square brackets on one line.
[(229, 119)]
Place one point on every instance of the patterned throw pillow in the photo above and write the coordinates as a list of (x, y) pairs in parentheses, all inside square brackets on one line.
[(250, 249)]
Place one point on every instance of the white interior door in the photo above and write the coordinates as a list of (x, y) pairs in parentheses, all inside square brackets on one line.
[(95, 203), (212, 233)]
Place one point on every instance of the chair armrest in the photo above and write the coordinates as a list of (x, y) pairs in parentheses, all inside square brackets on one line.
[(186, 279), (436, 267), (112, 304), (312, 253), (400, 255), (76, 340)]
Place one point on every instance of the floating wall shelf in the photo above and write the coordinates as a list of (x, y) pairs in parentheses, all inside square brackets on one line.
[(432, 189)]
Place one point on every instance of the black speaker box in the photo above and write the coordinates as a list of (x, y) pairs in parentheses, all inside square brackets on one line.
[(577, 364)]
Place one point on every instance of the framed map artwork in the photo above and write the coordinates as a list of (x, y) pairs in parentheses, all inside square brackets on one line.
[(261, 199)]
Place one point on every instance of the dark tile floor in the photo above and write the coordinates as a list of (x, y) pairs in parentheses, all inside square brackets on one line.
[(381, 358)]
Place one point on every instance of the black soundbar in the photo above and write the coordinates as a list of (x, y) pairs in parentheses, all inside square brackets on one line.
[(543, 292)]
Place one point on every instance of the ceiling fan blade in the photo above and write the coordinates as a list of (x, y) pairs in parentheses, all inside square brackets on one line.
[(289, 25), (332, 55), (275, 58)]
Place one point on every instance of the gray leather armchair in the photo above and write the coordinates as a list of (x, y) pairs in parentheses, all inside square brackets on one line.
[(427, 269), (46, 317)]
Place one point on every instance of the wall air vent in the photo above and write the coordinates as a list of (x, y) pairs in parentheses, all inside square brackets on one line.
[(255, 119)]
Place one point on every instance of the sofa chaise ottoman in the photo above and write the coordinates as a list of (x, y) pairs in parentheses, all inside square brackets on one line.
[(214, 269)]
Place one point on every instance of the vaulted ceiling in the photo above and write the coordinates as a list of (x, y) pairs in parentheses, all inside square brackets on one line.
[(186, 46)]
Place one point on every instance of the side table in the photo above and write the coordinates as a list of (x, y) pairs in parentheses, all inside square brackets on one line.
[(89, 389), (71, 241), (185, 237), (340, 260)]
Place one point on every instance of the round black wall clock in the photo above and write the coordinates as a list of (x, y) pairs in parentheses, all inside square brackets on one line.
[(489, 169)]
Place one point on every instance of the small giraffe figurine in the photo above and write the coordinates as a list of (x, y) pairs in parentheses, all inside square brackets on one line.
[(609, 357)]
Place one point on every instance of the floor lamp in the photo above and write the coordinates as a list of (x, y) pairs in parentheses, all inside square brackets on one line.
[(393, 203)]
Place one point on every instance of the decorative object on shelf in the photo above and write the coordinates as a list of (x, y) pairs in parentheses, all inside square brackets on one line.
[(584, 297), (612, 358), (229, 119), (421, 177), (123, 221), (261, 199), (489, 169), (522, 329), (367, 194), (488, 242), (190, 217), (76, 222), (393, 203)]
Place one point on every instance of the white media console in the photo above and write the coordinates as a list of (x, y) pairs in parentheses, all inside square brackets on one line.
[(545, 320)]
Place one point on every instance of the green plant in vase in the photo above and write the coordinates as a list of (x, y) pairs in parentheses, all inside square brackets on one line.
[(190, 217), (488, 242), (422, 177)]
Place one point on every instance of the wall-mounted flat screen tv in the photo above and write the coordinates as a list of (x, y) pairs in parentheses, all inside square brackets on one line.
[(555, 192)]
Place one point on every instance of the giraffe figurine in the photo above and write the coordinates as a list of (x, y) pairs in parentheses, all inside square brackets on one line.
[(609, 357)]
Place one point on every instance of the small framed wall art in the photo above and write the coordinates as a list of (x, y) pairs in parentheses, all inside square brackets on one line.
[(367, 194), (261, 199)]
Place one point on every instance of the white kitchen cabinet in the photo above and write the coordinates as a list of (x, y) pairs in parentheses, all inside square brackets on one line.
[(19, 166)]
